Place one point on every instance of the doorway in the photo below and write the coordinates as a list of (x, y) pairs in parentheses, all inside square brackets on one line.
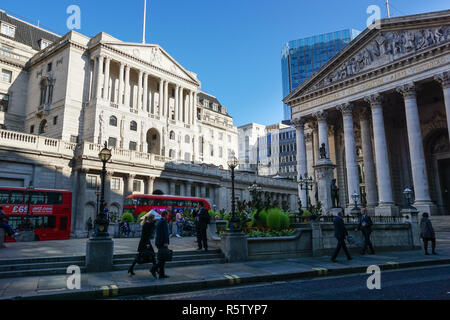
[(444, 178)]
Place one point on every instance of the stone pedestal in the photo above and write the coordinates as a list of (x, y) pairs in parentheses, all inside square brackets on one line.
[(234, 246), (25, 236), (2, 238), (99, 254), (324, 174), (317, 239), (411, 215), (387, 209)]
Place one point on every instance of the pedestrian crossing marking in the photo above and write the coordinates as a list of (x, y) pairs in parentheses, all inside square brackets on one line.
[(115, 290), (392, 263), (321, 271), (229, 278), (105, 291)]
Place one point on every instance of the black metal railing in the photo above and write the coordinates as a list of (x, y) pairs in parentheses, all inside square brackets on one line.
[(295, 219)]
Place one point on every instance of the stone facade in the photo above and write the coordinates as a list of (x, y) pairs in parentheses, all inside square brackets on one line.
[(381, 107)]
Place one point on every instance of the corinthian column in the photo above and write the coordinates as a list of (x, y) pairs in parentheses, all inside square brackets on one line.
[(302, 169), (369, 166), (177, 101), (350, 152), (145, 94), (418, 166), (139, 95), (321, 117), (127, 86), (444, 80), (119, 100), (106, 80), (99, 77), (386, 205)]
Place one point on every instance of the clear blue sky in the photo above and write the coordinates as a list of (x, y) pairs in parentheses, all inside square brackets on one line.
[(233, 45)]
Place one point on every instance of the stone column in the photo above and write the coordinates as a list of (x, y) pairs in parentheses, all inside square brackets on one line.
[(99, 77), (119, 100), (106, 79), (161, 103), (129, 184), (191, 110), (350, 153), (302, 168), (186, 109), (444, 79), (321, 117), (188, 188), (149, 185), (203, 191), (369, 165), (180, 105), (166, 99), (195, 109), (145, 94), (94, 77), (418, 166), (127, 86), (177, 101), (386, 203), (139, 95), (172, 187)]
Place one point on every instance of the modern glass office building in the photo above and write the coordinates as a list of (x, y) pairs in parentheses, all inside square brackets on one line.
[(303, 57)]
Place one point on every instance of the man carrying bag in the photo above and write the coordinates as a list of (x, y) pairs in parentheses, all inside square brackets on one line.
[(162, 243)]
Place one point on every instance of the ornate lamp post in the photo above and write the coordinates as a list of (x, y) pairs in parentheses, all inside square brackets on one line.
[(97, 193), (355, 197), (307, 185), (407, 193), (28, 226), (101, 221), (234, 222)]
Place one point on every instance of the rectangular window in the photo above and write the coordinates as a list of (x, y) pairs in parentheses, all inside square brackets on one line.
[(6, 76), (55, 120), (16, 197), (4, 196), (74, 139), (193, 194), (177, 190), (4, 102), (63, 224), (36, 198), (54, 198), (220, 152), (221, 136), (136, 186), (133, 146), (8, 30), (49, 67), (211, 149), (115, 184), (91, 182), (112, 142), (207, 192)]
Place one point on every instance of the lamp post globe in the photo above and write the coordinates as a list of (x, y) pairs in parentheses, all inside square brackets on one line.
[(407, 193), (101, 221)]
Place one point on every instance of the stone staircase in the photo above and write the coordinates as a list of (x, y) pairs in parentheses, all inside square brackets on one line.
[(13, 268), (441, 223)]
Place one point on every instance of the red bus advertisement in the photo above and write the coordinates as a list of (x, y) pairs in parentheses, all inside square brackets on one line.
[(137, 204), (51, 211)]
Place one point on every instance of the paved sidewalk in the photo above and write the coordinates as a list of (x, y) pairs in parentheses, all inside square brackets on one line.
[(182, 279), (77, 247)]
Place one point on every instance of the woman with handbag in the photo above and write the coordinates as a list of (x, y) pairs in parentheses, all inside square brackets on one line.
[(146, 253)]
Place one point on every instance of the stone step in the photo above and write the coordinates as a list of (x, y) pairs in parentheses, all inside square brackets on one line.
[(41, 265), (204, 256), (40, 260), (441, 223), (175, 253), (34, 273)]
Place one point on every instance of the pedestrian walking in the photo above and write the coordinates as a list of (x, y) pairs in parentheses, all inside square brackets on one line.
[(180, 223), (365, 226), (203, 219), (4, 224), (340, 232), (427, 234), (146, 254), (170, 218), (162, 242)]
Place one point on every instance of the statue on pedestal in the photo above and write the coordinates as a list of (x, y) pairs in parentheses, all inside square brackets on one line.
[(334, 194), (323, 151)]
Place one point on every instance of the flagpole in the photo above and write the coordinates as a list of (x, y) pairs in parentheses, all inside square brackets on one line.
[(387, 8), (145, 16)]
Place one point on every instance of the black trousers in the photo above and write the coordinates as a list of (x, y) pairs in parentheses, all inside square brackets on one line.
[(160, 266), (341, 244), (433, 244), (202, 238), (367, 242)]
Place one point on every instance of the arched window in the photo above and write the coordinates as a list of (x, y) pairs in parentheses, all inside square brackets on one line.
[(133, 126), (171, 153), (187, 139), (43, 127), (113, 121), (172, 135)]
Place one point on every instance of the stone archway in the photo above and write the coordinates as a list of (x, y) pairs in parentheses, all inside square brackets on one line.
[(158, 193), (437, 152), (153, 141)]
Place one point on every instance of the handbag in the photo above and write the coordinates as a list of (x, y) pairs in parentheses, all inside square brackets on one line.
[(145, 256), (165, 254), (350, 240)]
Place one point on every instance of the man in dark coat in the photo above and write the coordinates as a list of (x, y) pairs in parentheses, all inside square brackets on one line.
[(365, 226), (162, 241), (202, 219), (427, 233), (340, 232)]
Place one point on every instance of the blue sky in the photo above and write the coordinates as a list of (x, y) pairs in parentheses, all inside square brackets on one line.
[(233, 45)]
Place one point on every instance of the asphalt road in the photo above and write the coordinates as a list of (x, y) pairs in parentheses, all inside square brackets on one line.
[(408, 284)]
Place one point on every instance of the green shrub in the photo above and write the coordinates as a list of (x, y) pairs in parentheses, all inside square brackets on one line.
[(141, 215), (128, 217), (285, 221), (274, 219), (306, 213)]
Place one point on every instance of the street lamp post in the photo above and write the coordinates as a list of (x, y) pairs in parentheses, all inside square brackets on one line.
[(101, 221), (307, 185), (234, 222), (28, 226), (407, 193), (97, 193), (355, 197)]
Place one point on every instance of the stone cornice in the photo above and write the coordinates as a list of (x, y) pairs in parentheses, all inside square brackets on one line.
[(443, 79)]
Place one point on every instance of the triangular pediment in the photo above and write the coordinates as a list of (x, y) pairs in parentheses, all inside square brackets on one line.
[(156, 56), (395, 39)]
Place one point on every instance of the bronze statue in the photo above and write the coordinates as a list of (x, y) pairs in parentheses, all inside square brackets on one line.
[(334, 194), (323, 151)]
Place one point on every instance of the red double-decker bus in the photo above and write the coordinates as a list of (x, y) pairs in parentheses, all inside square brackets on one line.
[(51, 211), (137, 204)]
